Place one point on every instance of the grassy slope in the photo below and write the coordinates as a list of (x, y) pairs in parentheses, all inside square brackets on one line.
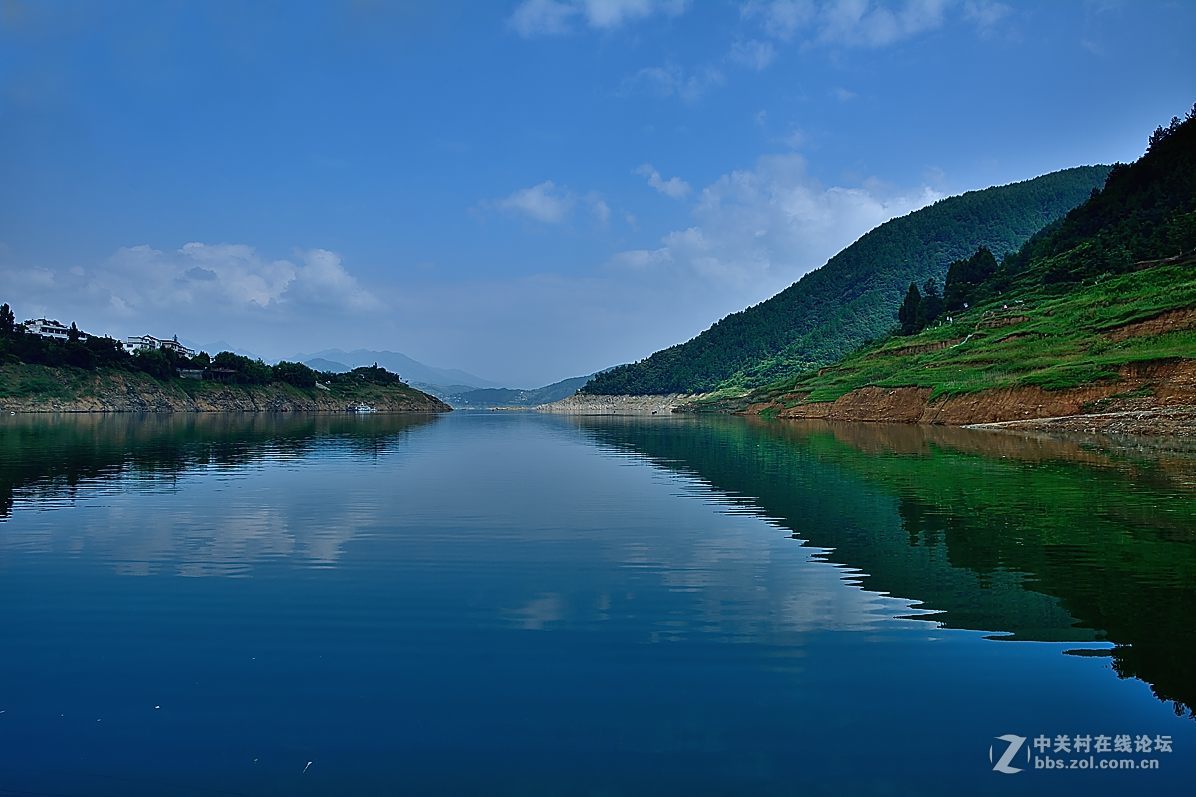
[(24, 381), (1062, 343)]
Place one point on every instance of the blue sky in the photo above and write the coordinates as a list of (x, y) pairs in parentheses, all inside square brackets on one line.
[(527, 190)]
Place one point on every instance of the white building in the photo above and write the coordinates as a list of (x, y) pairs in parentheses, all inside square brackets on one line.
[(45, 328), (138, 343)]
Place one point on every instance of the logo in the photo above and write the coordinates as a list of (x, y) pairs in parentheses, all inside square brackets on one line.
[(1014, 744), (1080, 751)]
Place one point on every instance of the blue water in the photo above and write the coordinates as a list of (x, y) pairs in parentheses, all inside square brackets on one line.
[(515, 604)]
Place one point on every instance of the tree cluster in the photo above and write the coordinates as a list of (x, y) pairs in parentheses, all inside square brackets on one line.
[(19, 346), (1146, 211), (920, 308), (367, 374), (965, 278)]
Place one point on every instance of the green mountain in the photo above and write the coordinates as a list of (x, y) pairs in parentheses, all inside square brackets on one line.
[(852, 299), (1103, 300)]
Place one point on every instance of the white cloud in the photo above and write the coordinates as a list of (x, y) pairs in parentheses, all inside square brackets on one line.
[(556, 17), (795, 138), (867, 23), (548, 203), (641, 258), (762, 228), (141, 288), (671, 80), (850, 23), (234, 275), (321, 277), (674, 187), (780, 19), (752, 53), (607, 14), (985, 14), (599, 208), (542, 18), (543, 202)]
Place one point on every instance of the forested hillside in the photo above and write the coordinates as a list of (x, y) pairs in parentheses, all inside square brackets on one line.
[(852, 298), (1101, 305)]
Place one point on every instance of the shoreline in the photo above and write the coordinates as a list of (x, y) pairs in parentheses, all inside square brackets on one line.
[(1167, 410), (1177, 421), (216, 411), (593, 404)]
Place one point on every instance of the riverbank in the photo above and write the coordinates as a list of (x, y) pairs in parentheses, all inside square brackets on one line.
[(588, 404), (1171, 422), (1150, 398), (1153, 398), (37, 388)]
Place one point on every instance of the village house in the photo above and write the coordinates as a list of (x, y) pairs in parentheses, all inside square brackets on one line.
[(136, 343), (46, 328)]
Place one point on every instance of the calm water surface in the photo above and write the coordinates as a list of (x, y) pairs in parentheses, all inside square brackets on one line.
[(523, 605)]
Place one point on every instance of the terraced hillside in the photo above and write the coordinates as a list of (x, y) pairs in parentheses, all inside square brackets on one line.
[(1095, 315)]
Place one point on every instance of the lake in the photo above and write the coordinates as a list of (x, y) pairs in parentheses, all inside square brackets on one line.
[(518, 604)]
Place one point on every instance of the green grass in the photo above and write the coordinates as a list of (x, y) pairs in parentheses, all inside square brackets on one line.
[(22, 381), (1062, 343)]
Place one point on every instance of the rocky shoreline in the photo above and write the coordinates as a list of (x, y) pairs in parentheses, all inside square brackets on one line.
[(1149, 398), (1179, 421), (1157, 398), (588, 404), (72, 391)]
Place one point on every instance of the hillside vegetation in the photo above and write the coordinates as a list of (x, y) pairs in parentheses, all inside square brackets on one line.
[(852, 298), (1104, 298), (95, 374), (1048, 340), (27, 387)]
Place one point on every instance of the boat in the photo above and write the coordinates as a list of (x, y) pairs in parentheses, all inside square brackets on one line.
[(361, 408)]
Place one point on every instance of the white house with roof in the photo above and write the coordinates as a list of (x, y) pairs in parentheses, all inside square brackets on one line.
[(47, 328), (136, 343)]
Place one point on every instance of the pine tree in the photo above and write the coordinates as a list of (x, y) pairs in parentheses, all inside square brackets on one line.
[(931, 306), (908, 312)]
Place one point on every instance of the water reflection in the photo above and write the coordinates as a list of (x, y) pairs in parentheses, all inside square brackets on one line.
[(49, 463), (604, 602), (1033, 538)]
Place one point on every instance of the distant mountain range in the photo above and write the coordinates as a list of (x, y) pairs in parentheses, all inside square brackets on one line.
[(437, 381), (459, 388), (216, 347), (513, 397)]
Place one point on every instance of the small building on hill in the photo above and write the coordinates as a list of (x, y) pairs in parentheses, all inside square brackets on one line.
[(136, 343), (47, 328)]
